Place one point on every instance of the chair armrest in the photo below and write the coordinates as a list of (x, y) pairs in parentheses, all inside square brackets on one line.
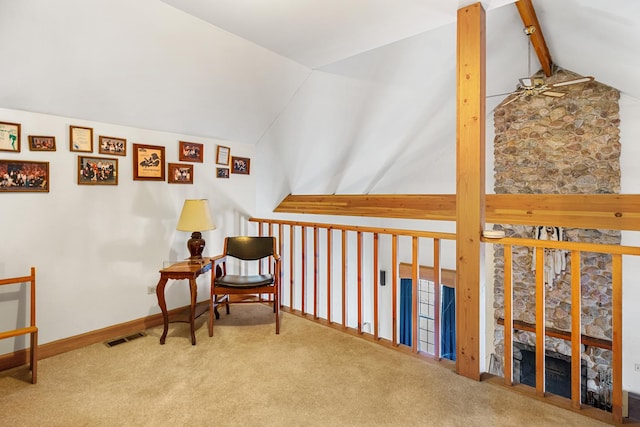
[(219, 265)]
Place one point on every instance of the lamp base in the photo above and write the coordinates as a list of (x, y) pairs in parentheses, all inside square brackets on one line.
[(195, 245)]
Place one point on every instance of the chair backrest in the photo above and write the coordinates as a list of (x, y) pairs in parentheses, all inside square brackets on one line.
[(249, 248)]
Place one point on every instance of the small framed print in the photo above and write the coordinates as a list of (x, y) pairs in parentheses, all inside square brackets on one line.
[(97, 171), (42, 143), (10, 137), (222, 172), (240, 165), (180, 173), (81, 139), (25, 176), (148, 162), (191, 152), (222, 155), (112, 145)]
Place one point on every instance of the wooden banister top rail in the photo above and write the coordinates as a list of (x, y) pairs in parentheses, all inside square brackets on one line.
[(601, 211), (578, 246), (379, 230)]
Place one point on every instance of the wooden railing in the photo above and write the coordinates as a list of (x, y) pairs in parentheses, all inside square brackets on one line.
[(576, 338), (299, 255), (300, 249)]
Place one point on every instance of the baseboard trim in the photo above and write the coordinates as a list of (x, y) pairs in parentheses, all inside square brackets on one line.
[(21, 357)]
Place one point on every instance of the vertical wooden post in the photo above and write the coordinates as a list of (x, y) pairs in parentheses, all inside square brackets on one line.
[(292, 233), (470, 186), (316, 273)]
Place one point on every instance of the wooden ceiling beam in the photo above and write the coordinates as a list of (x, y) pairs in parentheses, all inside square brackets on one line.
[(529, 19)]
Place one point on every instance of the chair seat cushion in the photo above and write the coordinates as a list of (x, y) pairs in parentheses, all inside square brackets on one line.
[(247, 282)]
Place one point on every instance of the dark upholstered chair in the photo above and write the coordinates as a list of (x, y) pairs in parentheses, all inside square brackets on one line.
[(248, 249)]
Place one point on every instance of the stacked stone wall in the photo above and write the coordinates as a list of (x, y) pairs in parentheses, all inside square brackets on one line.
[(567, 145)]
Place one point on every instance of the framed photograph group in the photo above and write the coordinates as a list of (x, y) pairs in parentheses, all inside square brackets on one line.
[(23, 175), (97, 170), (81, 139), (42, 143), (240, 165), (148, 162), (180, 173), (191, 152), (10, 137), (112, 145)]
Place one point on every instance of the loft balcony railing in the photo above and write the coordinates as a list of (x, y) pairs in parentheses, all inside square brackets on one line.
[(322, 251)]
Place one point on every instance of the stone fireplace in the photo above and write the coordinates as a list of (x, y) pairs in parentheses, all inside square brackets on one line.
[(567, 145)]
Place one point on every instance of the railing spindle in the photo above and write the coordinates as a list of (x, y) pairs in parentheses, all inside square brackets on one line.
[(316, 256), (394, 288), (576, 330), (344, 278), (616, 374), (414, 294), (508, 314), (303, 282), (359, 281), (292, 234), (376, 273), (540, 322), (329, 272), (436, 298)]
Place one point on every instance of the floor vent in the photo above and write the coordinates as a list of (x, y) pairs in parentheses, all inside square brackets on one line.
[(120, 340)]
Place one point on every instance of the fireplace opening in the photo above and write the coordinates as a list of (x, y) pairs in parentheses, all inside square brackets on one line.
[(558, 376)]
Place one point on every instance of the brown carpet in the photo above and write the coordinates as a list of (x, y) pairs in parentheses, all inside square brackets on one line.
[(309, 375)]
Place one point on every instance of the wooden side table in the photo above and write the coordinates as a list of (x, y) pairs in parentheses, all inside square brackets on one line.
[(180, 271)]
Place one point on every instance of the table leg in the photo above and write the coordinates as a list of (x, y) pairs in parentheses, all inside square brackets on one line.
[(193, 287), (163, 307)]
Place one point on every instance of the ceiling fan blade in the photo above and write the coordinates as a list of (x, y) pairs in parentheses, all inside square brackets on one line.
[(554, 93), (572, 81), (518, 96)]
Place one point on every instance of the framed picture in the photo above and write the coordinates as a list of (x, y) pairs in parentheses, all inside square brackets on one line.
[(222, 172), (10, 137), (42, 143), (180, 173), (240, 165), (222, 155), (81, 139), (22, 175), (148, 162), (112, 145), (97, 170), (191, 152)]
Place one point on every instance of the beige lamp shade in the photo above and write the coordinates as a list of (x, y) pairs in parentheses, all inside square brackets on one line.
[(195, 216)]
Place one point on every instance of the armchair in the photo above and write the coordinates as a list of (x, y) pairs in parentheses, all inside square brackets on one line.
[(248, 249)]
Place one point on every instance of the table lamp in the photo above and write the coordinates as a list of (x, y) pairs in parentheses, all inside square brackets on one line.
[(195, 217)]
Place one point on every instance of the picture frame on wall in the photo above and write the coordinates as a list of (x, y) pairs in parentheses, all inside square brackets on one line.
[(180, 173), (148, 162), (112, 145), (222, 155), (97, 170), (222, 172), (10, 137), (191, 152), (42, 143), (81, 139), (240, 165), (24, 176)]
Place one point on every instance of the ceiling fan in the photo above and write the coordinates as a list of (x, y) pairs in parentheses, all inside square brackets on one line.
[(530, 86)]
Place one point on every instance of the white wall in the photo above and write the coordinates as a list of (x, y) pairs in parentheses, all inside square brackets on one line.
[(97, 248)]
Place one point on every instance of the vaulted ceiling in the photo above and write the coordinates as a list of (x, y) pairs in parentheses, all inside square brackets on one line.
[(228, 69)]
